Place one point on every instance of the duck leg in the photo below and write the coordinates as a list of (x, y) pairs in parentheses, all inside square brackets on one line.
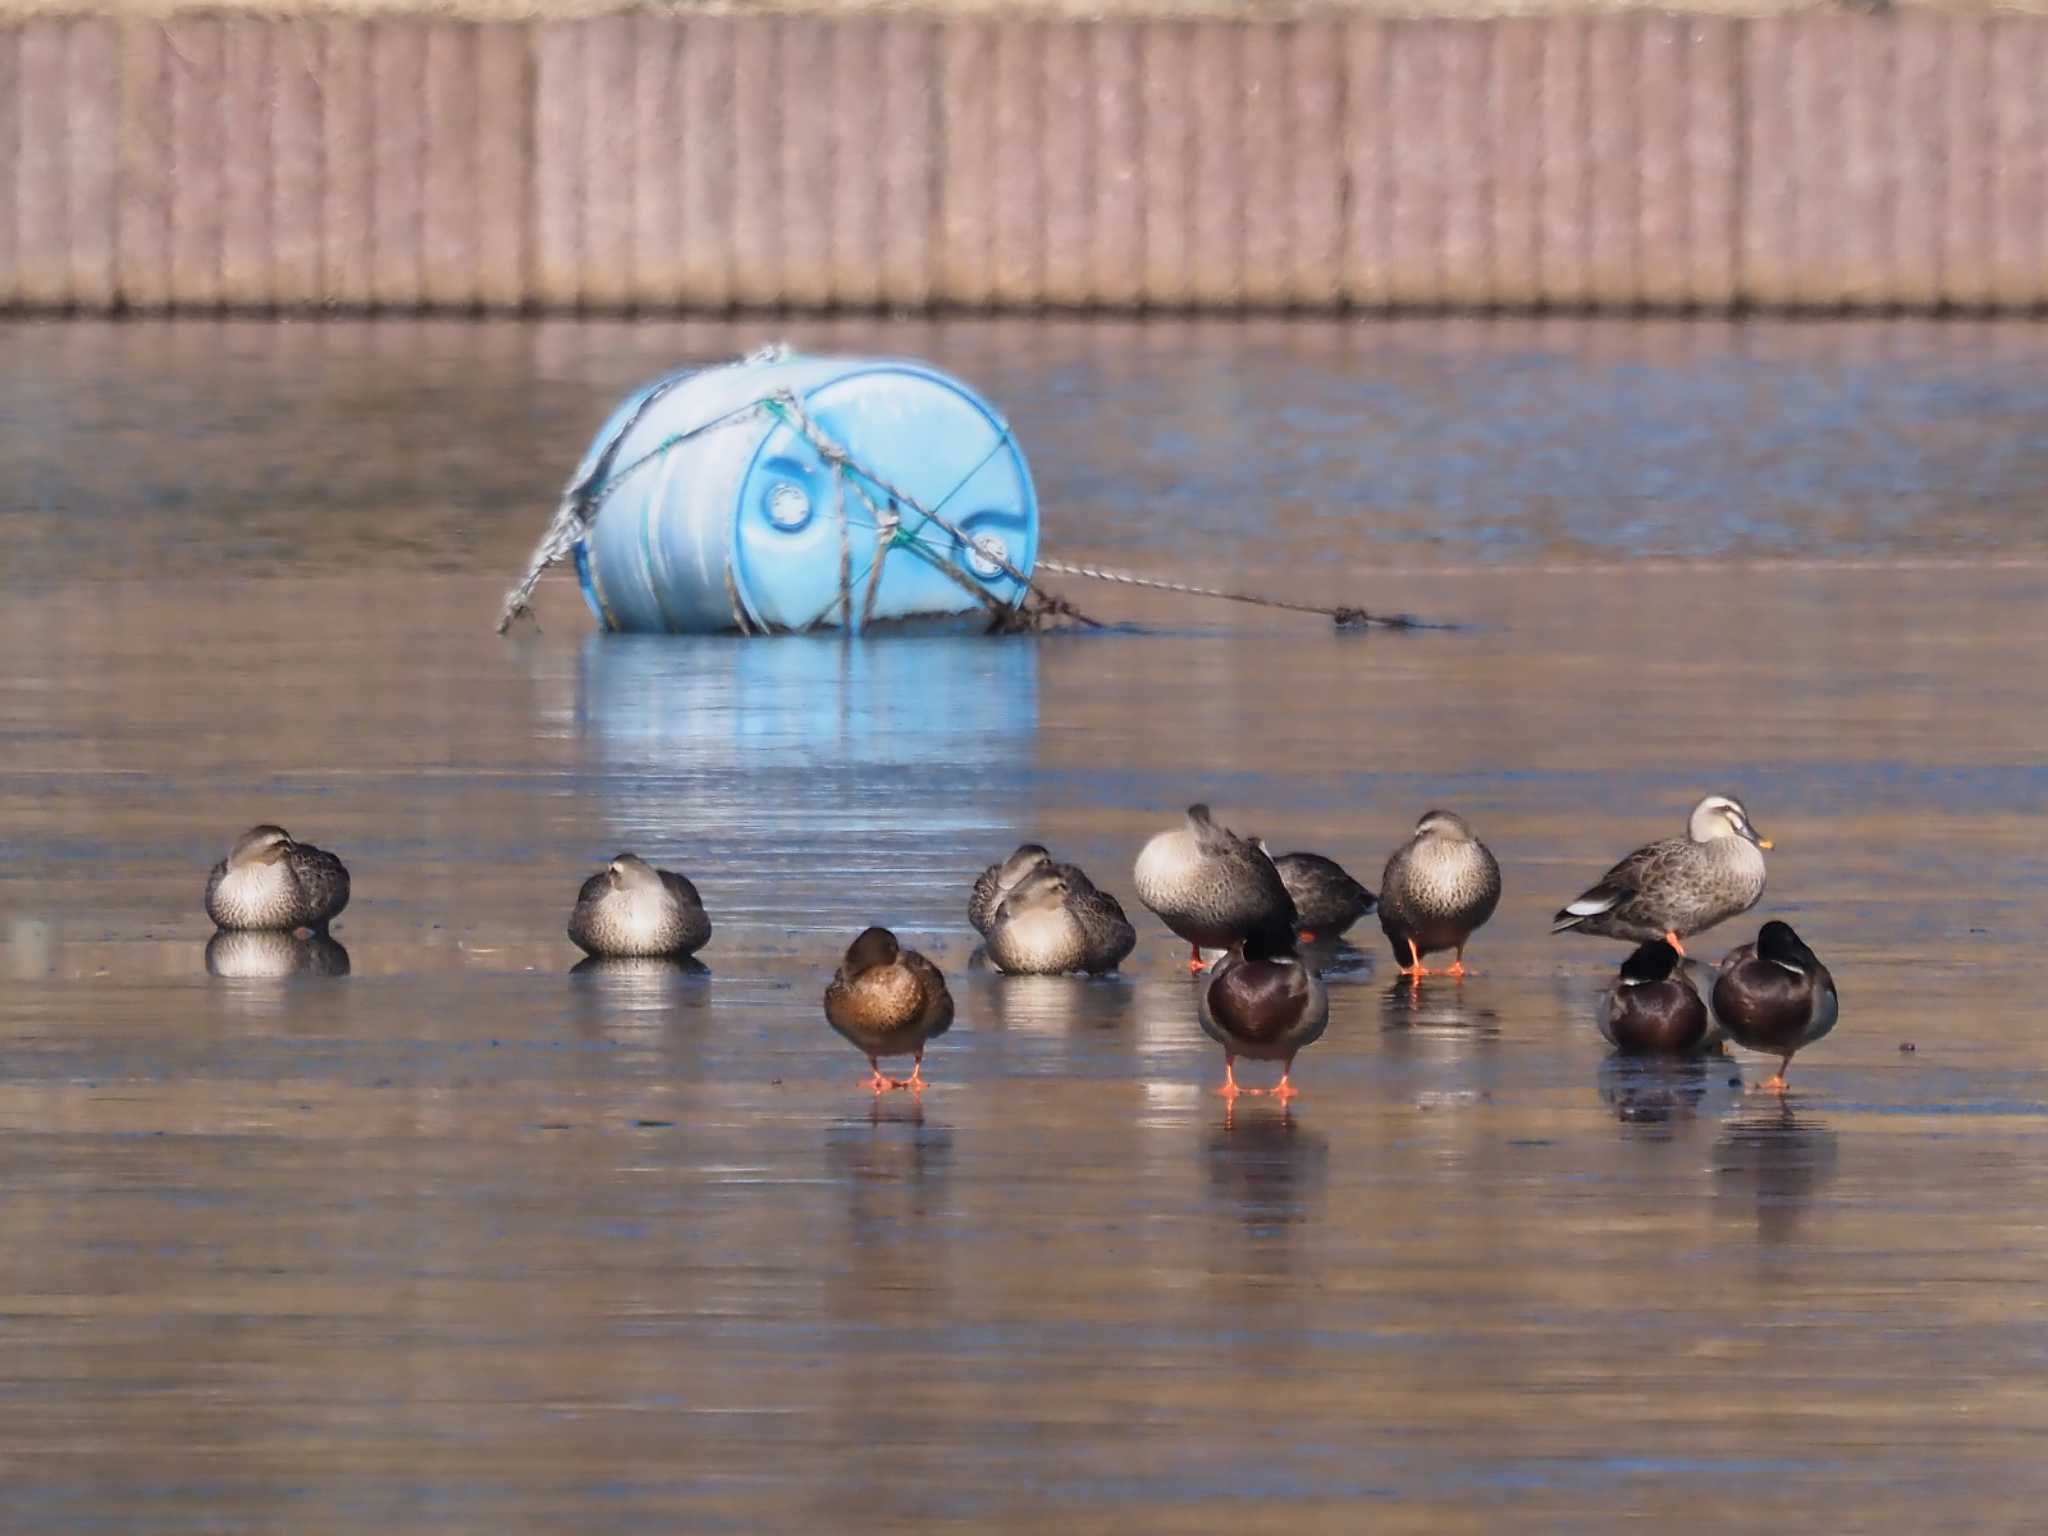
[(875, 1079), (1286, 1090), (1457, 966), (1777, 1083), (1229, 1090), (1195, 966), (915, 1082), (1414, 967), (1671, 938)]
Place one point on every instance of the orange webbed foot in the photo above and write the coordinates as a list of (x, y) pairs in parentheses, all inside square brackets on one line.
[(1305, 937), (1286, 1092), (1775, 1085)]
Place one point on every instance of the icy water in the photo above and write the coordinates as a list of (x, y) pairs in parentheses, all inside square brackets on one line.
[(463, 1242)]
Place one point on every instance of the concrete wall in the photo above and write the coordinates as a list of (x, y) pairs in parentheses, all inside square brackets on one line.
[(707, 162)]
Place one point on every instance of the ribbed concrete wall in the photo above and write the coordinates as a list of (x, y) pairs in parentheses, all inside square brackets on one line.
[(700, 162)]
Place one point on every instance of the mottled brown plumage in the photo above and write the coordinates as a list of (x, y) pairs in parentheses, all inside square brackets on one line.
[(1677, 886), (1046, 926), (1327, 901), (270, 882), (888, 1001), (1438, 888), (630, 910), (1211, 886)]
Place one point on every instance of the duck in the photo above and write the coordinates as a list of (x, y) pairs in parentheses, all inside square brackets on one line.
[(1776, 996), (1439, 888), (1678, 886), (1045, 927), (998, 880), (1210, 886), (271, 882), (1653, 1008), (888, 1001), (1327, 901), (1263, 1002), (629, 910)]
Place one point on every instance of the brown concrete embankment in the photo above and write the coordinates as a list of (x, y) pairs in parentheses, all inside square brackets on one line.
[(707, 162)]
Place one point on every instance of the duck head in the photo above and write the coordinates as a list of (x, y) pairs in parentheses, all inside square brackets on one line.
[(1777, 943), (1722, 816), (1272, 943), (260, 845), (1445, 824), (1043, 890), (630, 872), (1019, 864), (875, 947), (1654, 961)]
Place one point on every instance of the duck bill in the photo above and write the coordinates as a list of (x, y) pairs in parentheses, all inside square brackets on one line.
[(1766, 844)]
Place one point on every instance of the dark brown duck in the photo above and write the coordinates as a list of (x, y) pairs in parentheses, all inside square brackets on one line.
[(1262, 1002), (1653, 1008)]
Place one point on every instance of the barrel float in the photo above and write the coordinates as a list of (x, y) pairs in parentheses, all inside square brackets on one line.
[(785, 493)]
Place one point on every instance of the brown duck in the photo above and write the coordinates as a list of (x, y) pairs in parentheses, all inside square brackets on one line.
[(888, 1001), (269, 881), (1438, 887)]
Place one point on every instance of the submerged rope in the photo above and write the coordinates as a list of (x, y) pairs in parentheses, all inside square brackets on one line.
[(1344, 617)]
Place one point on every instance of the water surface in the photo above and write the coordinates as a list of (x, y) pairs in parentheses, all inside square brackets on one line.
[(463, 1242)]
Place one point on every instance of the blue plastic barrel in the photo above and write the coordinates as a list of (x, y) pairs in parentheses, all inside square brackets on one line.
[(719, 508)]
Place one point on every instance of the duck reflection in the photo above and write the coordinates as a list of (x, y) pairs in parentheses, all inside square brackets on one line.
[(1058, 1004), (635, 1001), (249, 956), (1266, 1166), (890, 1165), (1655, 1094), (1448, 1008), (628, 978), (891, 1142), (1773, 1161), (1338, 960)]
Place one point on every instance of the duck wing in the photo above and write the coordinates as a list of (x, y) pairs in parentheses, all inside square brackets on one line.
[(1642, 870), (983, 900), (680, 888), (1109, 933), (1325, 895), (322, 879), (1075, 876), (937, 1016)]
